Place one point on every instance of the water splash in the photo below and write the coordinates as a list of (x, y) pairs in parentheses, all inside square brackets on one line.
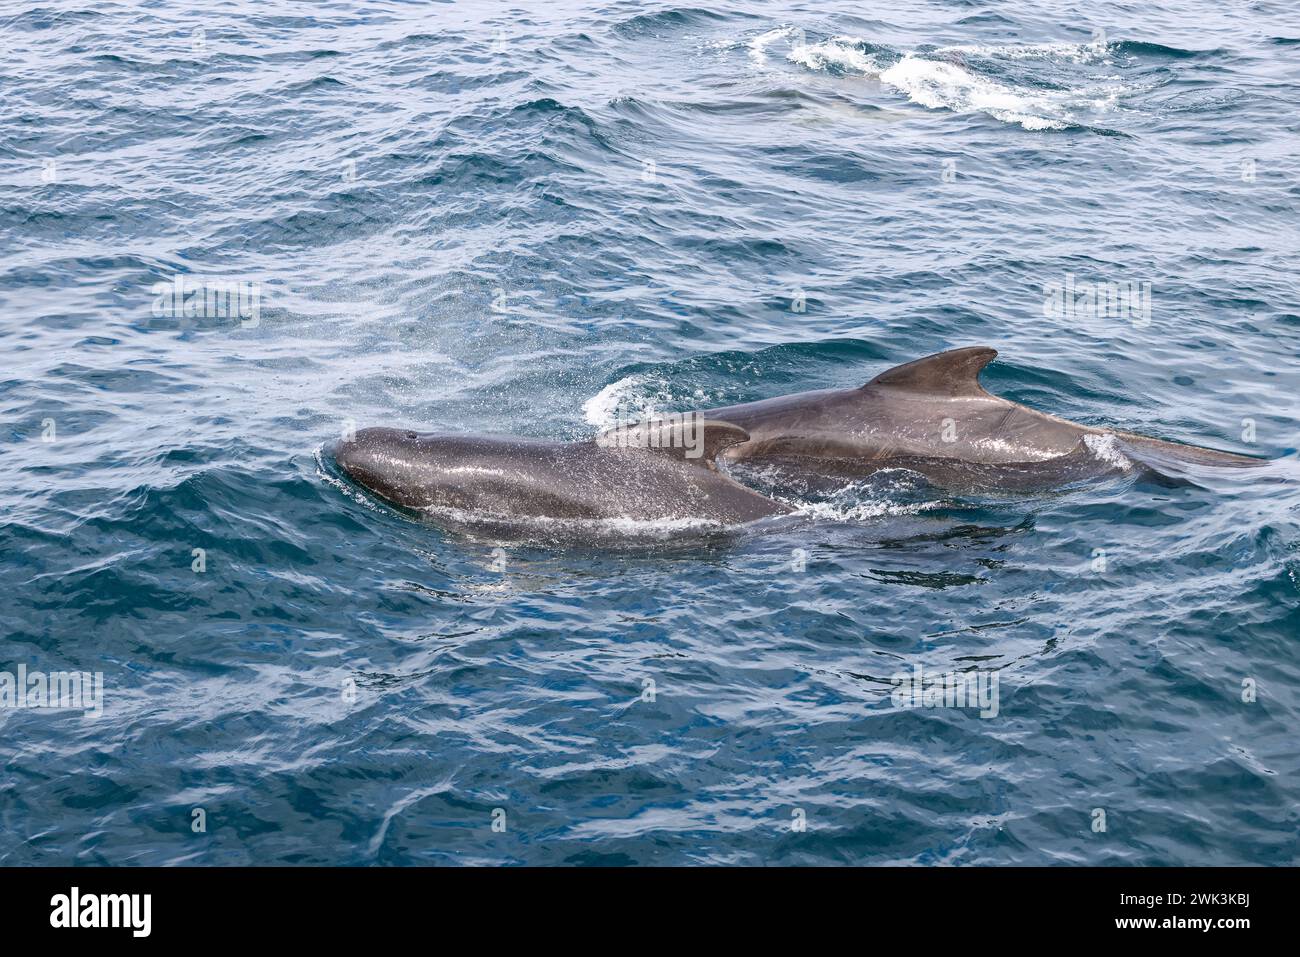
[(1105, 448), (631, 399)]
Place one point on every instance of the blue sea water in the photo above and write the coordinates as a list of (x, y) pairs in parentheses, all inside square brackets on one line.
[(527, 218)]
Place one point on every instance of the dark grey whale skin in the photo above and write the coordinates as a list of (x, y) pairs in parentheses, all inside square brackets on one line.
[(932, 416), (929, 416), (512, 478)]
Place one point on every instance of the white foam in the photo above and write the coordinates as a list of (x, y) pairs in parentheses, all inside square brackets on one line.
[(633, 398), (758, 46), (860, 511), (841, 52), (857, 501), (618, 527), (1106, 449), (321, 472), (1097, 51), (938, 85), (941, 80), (601, 410)]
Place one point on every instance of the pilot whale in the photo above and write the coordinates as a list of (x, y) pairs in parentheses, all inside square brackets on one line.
[(930, 416), (933, 417), (655, 471)]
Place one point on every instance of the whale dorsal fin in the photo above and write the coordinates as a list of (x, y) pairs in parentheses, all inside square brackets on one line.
[(688, 436), (954, 373)]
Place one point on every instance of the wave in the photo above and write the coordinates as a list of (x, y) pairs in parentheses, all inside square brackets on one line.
[(938, 85), (962, 78), (1095, 51), (841, 53), (1143, 48), (668, 20)]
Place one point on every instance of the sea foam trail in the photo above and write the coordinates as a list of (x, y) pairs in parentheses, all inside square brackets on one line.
[(938, 85), (948, 77)]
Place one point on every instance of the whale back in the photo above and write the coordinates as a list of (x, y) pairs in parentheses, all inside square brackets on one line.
[(930, 408), (933, 411)]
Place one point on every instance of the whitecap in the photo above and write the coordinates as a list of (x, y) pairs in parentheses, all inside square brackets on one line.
[(938, 85), (840, 52), (759, 44), (941, 79)]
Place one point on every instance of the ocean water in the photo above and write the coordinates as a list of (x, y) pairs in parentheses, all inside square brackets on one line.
[(531, 218)]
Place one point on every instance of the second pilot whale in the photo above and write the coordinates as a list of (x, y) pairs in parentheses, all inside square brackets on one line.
[(932, 416)]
